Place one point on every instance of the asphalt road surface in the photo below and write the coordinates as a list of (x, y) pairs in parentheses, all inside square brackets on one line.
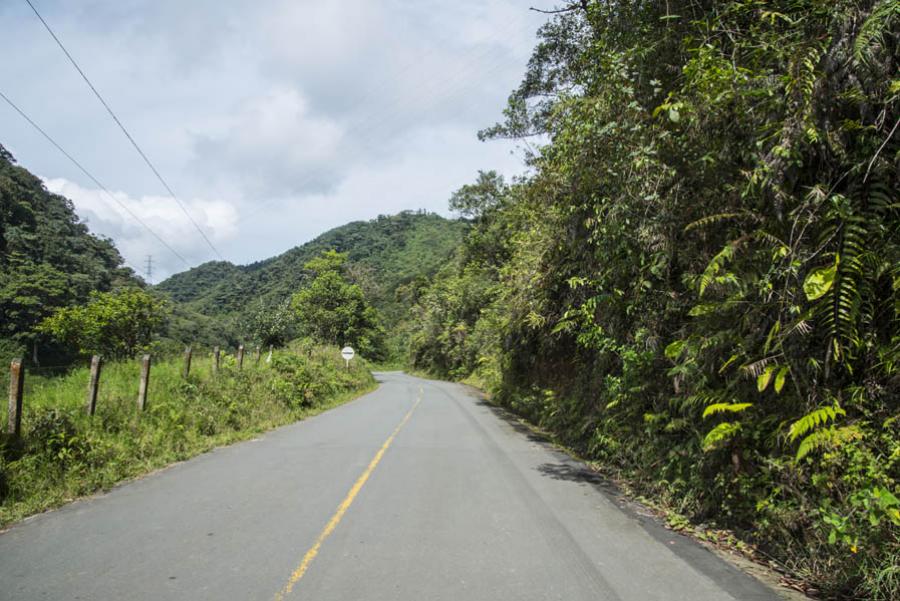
[(418, 491)]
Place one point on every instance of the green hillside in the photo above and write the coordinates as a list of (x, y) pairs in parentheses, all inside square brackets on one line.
[(385, 254), (48, 259)]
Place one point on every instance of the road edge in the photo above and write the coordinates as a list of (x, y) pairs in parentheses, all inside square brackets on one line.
[(252, 435), (619, 492)]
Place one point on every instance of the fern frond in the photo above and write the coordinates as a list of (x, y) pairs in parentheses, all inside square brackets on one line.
[(841, 305), (802, 327), (757, 367), (718, 218), (725, 407), (701, 399), (804, 73), (776, 242), (827, 438), (715, 266), (814, 419), (720, 434), (872, 32), (881, 198)]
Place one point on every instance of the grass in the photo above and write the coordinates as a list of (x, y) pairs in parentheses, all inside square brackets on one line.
[(63, 453), (389, 365)]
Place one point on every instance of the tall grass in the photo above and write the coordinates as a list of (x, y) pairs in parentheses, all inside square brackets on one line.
[(63, 453)]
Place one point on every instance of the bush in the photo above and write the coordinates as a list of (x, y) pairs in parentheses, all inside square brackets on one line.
[(54, 435)]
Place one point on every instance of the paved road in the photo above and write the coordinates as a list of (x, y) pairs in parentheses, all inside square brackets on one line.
[(418, 491)]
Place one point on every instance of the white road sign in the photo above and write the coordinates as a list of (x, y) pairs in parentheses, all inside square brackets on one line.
[(347, 353)]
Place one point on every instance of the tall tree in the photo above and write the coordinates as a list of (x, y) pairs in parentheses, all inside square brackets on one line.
[(474, 200), (333, 310), (268, 324)]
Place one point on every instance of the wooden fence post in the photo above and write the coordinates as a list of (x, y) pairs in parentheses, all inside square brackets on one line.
[(258, 355), (94, 384), (240, 357), (187, 363), (145, 381), (216, 357), (16, 389)]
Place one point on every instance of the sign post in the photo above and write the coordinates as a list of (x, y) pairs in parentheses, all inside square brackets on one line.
[(347, 353)]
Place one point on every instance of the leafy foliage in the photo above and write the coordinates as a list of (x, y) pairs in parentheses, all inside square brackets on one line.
[(699, 282), (474, 200), (332, 310), (48, 259), (268, 324), (813, 420), (115, 324)]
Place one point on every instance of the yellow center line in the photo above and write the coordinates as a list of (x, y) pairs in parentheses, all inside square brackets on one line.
[(343, 507)]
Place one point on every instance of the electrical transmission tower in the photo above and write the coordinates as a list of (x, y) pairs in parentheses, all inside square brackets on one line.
[(148, 269)]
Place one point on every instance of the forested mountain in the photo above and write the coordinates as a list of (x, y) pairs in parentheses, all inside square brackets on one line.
[(385, 256), (699, 285), (48, 259)]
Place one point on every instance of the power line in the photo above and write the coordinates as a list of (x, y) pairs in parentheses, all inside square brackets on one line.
[(92, 178), (124, 130)]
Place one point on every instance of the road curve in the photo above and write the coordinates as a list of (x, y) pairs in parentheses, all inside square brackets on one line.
[(418, 491)]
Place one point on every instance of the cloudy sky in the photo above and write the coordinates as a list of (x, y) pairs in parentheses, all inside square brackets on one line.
[(273, 120)]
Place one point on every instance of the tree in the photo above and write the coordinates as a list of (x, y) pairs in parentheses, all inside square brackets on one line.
[(269, 324), (474, 200), (116, 324), (28, 294), (333, 310)]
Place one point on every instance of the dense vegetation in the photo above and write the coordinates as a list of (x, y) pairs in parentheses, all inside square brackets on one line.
[(64, 453), (48, 260), (117, 324), (333, 310), (698, 284), (385, 256)]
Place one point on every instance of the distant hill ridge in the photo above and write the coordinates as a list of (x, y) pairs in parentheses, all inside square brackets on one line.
[(384, 254)]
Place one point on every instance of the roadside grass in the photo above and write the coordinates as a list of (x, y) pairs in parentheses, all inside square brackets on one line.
[(389, 365), (64, 454)]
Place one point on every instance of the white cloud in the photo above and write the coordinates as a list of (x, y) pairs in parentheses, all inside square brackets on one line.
[(318, 112), (218, 220), (274, 144), (322, 37), (437, 161)]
